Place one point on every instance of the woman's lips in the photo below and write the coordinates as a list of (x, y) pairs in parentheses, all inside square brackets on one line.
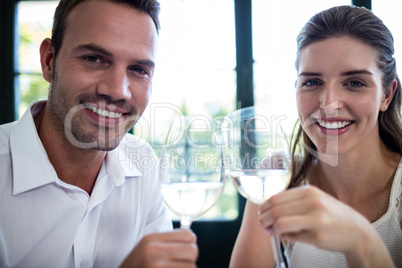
[(333, 127)]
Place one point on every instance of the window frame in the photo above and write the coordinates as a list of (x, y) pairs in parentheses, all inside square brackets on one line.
[(8, 95)]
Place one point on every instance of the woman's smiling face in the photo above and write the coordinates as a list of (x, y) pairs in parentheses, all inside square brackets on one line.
[(339, 94)]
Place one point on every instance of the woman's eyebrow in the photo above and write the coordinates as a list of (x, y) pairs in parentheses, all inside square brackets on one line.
[(310, 74), (343, 74), (357, 72)]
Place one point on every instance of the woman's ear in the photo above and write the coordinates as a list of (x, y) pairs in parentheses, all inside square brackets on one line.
[(388, 95), (46, 59)]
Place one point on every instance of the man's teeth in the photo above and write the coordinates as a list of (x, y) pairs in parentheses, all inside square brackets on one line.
[(104, 113), (333, 125)]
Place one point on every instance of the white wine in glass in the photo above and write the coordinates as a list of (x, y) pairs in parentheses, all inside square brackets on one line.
[(258, 157), (190, 170)]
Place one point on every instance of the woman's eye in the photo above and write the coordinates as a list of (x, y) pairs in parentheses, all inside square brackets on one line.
[(355, 83), (310, 83)]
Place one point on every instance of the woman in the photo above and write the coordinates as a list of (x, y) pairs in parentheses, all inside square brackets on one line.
[(344, 207)]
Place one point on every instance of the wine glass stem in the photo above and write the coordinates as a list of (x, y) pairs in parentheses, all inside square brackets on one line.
[(185, 222), (279, 261)]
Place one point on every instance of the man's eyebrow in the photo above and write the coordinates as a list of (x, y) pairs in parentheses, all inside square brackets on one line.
[(145, 62), (93, 47), (103, 51)]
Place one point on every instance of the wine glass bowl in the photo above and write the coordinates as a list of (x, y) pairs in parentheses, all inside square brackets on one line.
[(190, 172), (257, 156)]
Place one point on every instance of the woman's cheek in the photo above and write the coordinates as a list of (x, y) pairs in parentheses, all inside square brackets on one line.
[(304, 105)]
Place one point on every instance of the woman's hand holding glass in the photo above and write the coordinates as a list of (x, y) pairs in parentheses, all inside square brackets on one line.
[(308, 214), (258, 157)]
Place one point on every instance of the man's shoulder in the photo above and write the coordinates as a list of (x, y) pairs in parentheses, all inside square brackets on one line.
[(5, 132), (5, 129)]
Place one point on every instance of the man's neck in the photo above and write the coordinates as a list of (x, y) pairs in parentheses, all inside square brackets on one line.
[(73, 165)]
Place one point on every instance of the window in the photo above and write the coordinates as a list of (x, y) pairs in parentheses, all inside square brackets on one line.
[(195, 75), (34, 24), (388, 11)]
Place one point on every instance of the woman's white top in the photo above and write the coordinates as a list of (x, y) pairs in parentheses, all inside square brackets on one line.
[(389, 227)]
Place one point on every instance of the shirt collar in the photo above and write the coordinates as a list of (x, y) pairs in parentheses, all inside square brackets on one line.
[(31, 166), (117, 167)]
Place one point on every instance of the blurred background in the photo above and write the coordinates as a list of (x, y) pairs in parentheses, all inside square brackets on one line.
[(214, 56)]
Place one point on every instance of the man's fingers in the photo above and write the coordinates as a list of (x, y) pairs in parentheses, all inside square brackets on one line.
[(182, 252), (177, 235), (178, 245)]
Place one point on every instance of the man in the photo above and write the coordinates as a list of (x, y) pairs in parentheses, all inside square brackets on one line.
[(71, 194)]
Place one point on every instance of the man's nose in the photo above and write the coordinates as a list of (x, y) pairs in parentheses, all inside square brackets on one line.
[(115, 84)]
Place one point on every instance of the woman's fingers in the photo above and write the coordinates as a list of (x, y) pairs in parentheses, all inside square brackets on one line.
[(292, 202), (290, 195), (312, 216)]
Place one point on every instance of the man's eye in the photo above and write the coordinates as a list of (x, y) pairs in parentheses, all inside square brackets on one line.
[(92, 58), (139, 70)]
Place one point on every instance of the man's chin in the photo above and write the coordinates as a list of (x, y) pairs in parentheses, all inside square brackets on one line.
[(105, 148), (98, 143), (97, 147)]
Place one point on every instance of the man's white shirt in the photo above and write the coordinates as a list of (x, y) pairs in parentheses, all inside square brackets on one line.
[(45, 222)]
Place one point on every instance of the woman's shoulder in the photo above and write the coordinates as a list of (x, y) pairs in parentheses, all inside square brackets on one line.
[(396, 191), (389, 227), (395, 200)]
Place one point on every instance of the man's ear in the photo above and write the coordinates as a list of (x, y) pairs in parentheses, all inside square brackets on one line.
[(388, 95), (47, 58)]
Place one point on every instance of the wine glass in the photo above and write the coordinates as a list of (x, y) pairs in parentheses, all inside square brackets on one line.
[(190, 168), (258, 157)]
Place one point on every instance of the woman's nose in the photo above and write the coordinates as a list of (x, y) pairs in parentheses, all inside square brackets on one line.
[(331, 100)]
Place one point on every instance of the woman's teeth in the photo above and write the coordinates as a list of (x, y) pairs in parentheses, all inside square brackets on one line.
[(334, 125), (104, 113)]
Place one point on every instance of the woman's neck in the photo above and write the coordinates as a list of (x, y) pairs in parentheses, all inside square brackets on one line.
[(362, 180)]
